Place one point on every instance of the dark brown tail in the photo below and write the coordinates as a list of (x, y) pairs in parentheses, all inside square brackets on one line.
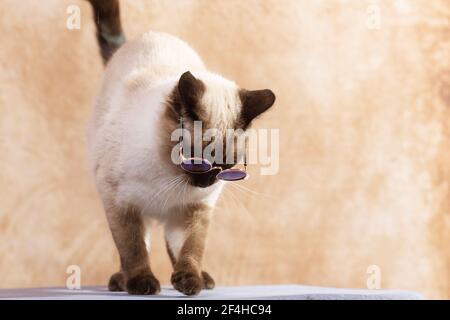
[(109, 28)]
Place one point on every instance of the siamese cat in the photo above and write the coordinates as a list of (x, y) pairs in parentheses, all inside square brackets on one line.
[(149, 84)]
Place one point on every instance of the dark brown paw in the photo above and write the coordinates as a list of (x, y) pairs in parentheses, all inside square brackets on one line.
[(117, 282), (143, 284), (187, 282), (208, 281)]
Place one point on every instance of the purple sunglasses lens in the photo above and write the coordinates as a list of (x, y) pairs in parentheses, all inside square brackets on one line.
[(232, 175), (196, 165)]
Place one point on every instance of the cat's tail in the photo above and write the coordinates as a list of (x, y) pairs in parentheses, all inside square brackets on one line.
[(109, 28)]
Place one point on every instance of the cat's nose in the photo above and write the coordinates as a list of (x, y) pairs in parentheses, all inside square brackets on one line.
[(204, 180)]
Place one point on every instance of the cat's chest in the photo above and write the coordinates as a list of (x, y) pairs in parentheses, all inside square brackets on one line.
[(158, 196)]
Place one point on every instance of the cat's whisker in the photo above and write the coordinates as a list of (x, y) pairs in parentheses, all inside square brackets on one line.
[(184, 192), (241, 191), (245, 189), (171, 191), (234, 198), (174, 191), (161, 190), (240, 202), (167, 192), (225, 198), (183, 188)]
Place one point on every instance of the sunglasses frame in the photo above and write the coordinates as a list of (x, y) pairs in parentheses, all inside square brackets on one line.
[(211, 167)]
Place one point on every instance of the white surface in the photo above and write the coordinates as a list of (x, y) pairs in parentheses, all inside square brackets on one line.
[(276, 292)]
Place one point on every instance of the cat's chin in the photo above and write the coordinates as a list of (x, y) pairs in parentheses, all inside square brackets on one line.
[(207, 188), (203, 184)]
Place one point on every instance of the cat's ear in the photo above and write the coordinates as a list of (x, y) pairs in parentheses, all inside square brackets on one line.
[(191, 90), (255, 103)]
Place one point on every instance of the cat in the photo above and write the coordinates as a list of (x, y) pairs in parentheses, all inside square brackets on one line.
[(148, 85)]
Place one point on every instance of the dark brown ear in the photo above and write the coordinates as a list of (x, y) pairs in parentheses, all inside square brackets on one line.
[(255, 103), (191, 90)]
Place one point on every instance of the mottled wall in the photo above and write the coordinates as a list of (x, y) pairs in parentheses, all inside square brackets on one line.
[(364, 116)]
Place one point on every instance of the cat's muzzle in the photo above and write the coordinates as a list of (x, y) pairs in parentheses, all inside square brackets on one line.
[(205, 179)]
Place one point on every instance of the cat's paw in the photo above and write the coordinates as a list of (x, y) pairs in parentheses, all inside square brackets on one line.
[(117, 282), (187, 282), (143, 284), (208, 281)]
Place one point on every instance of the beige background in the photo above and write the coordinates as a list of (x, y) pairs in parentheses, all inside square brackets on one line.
[(365, 141)]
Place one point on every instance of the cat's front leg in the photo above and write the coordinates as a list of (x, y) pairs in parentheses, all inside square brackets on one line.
[(128, 232), (186, 235), (208, 281)]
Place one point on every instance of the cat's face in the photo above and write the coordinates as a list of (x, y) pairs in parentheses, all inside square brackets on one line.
[(220, 105)]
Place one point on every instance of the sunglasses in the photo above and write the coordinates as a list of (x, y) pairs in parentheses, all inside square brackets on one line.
[(201, 165)]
